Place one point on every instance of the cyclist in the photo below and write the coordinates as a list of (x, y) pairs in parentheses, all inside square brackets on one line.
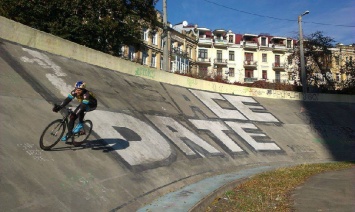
[(87, 101)]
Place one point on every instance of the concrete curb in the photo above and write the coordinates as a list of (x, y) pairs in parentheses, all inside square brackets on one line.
[(206, 201)]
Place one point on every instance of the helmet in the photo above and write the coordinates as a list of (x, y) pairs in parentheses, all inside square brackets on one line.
[(80, 85)]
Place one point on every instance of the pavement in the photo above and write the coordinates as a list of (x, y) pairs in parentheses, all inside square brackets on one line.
[(329, 191)]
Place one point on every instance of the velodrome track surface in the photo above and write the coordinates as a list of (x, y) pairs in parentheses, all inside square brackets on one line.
[(149, 138)]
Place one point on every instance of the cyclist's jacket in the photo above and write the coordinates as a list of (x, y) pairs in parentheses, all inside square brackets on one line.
[(87, 98)]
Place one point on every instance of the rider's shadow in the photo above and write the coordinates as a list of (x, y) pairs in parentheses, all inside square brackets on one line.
[(113, 144), (108, 145)]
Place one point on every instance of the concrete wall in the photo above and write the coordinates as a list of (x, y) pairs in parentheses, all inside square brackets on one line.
[(43, 41)]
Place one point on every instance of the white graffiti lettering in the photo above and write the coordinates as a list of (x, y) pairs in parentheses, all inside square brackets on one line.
[(239, 129), (261, 115), (182, 137), (151, 147), (217, 128), (208, 99)]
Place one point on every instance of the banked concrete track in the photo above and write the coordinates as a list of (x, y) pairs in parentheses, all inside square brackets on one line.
[(149, 138)]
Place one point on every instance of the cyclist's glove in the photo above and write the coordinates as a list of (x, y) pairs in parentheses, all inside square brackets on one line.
[(56, 108)]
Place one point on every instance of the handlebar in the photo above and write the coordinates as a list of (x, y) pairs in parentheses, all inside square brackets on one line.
[(67, 109)]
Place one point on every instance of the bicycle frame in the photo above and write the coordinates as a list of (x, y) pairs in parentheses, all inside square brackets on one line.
[(69, 111)]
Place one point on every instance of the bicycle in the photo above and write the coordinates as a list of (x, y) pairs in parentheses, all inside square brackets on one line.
[(53, 133)]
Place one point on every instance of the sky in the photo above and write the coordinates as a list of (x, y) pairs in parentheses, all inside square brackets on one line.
[(335, 18)]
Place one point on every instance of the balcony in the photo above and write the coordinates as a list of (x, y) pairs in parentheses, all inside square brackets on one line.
[(279, 66), (220, 42), (249, 44), (278, 47), (203, 60), (250, 63), (205, 41), (177, 51), (250, 80), (220, 61)]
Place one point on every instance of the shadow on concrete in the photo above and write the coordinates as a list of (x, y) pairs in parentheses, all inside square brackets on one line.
[(106, 145), (334, 126)]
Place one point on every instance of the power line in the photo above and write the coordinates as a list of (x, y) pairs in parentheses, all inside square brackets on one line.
[(271, 17)]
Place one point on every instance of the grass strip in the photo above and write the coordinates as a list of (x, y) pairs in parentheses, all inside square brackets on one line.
[(271, 191)]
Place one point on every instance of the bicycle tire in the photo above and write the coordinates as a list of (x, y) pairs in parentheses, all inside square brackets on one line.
[(55, 131), (83, 135)]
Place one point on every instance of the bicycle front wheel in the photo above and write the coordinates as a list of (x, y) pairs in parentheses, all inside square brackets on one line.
[(81, 137), (52, 134)]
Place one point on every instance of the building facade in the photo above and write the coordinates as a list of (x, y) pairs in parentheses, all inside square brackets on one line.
[(342, 62), (182, 44), (245, 58)]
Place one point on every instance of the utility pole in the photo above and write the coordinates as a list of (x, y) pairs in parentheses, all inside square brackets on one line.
[(303, 70), (165, 40)]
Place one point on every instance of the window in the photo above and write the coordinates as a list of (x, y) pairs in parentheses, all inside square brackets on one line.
[(145, 57), (264, 74), (180, 47), (288, 43), (154, 39), (231, 55), (230, 38), (264, 57), (249, 73), (219, 55), (202, 53), (231, 72), (131, 53), (277, 76), (277, 60), (248, 56), (162, 43), (263, 41), (152, 64), (145, 34)]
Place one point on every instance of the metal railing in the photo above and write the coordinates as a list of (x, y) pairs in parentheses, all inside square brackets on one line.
[(204, 60), (250, 63), (279, 65), (218, 60), (250, 79)]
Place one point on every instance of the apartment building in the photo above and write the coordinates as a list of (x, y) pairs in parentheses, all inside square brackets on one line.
[(245, 57), (183, 48), (342, 57), (182, 44)]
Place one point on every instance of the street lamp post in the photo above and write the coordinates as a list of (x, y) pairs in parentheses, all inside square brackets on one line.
[(166, 38), (303, 71)]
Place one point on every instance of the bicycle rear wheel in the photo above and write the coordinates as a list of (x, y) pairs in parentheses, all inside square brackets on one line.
[(52, 134), (81, 137)]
